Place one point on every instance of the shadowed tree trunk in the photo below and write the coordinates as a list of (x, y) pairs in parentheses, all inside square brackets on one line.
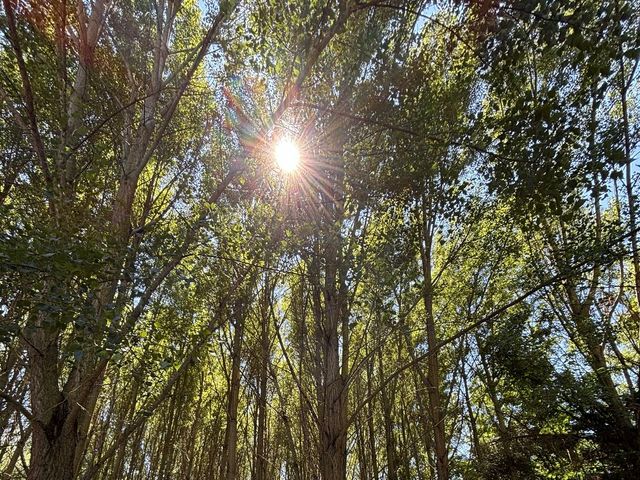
[(229, 464), (433, 362), (261, 440)]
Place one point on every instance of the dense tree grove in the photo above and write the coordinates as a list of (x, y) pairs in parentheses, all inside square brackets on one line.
[(446, 285)]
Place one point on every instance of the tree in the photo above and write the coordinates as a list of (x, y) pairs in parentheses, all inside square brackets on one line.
[(444, 283)]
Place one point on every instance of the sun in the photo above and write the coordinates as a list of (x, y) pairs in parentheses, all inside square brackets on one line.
[(287, 155)]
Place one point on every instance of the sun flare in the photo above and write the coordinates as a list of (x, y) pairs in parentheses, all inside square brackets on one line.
[(287, 155)]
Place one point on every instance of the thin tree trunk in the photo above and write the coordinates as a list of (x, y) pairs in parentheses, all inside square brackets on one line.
[(370, 423), (389, 434), (261, 450), (229, 465), (472, 417), (433, 362)]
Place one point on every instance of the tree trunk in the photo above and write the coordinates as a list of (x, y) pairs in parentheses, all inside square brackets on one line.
[(370, 422), (433, 363), (52, 453), (261, 450), (333, 401), (229, 465), (55, 433), (389, 435)]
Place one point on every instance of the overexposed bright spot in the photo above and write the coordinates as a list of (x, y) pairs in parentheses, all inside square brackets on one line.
[(287, 155)]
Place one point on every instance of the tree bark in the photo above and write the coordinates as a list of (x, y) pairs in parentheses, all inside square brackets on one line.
[(433, 362), (261, 450), (229, 465), (333, 399)]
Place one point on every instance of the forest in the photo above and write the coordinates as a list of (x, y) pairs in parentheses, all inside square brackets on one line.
[(319, 239)]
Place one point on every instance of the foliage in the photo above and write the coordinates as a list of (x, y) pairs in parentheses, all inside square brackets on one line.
[(448, 286)]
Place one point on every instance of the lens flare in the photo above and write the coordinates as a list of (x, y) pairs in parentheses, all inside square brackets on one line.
[(287, 156)]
